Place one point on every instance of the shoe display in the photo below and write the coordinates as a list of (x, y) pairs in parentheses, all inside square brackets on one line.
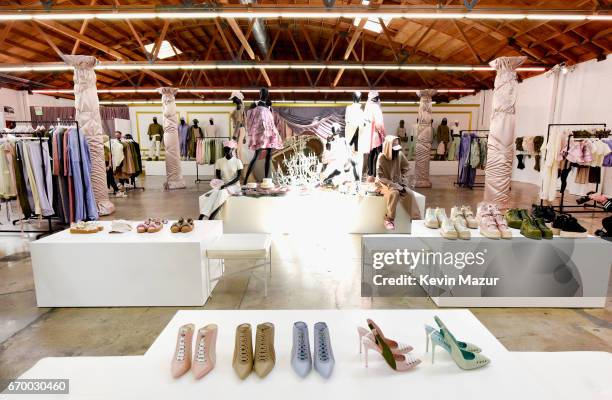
[(396, 347), (464, 359), (243, 351), (468, 214), (460, 225), (151, 225), (85, 227), (488, 227), (447, 229), (547, 213), (397, 362), (530, 229), (546, 231), (183, 225), (570, 228), (502, 226), (462, 345), (323, 355), (430, 219), (301, 361), (204, 357), (265, 358), (515, 216), (181, 362)]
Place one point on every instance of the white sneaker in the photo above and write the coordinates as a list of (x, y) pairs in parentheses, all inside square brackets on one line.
[(120, 194), (447, 228), (460, 226), (431, 221)]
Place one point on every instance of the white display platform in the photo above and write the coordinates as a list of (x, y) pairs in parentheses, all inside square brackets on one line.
[(328, 210), (188, 168), (126, 269), (509, 376), (420, 230), (443, 168)]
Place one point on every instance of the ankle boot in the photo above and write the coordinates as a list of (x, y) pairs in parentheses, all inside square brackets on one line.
[(181, 362), (265, 357), (243, 351)]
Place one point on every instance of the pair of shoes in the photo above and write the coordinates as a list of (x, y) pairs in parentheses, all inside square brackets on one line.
[(82, 227), (584, 199), (121, 194), (492, 223), (547, 213), (395, 354), (182, 225), (467, 214), (464, 358), (204, 356), (431, 221), (301, 360), (603, 234), (152, 225), (435, 218), (389, 225), (566, 226), (515, 217), (535, 228), (262, 362), (462, 218)]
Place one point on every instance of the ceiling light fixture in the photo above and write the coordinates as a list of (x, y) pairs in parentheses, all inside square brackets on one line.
[(189, 102), (271, 90)]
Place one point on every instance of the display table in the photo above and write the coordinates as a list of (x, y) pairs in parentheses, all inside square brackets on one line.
[(509, 376), (124, 269), (320, 210), (529, 263)]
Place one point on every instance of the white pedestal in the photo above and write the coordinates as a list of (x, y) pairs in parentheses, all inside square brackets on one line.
[(510, 376), (158, 168), (124, 269), (593, 272), (322, 210)]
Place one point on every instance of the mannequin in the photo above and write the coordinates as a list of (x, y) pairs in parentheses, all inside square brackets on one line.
[(195, 133), (227, 171), (442, 137), (336, 157), (263, 134), (183, 131), (239, 133), (453, 147), (374, 127), (211, 130), (156, 134)]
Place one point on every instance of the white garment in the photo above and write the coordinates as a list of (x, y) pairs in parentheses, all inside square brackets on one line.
[(354, 120), (155, 148), (229, 168), (211, 131), (216, 198), (599, 150), (116, 152), (550, 165)]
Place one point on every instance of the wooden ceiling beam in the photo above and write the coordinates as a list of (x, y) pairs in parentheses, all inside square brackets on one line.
[(160, 40), (81, 31), (42, 34), (241, 38), (468, 42), (349, 48)]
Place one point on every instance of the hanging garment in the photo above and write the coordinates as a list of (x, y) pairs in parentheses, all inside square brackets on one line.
[(474, 153), (441, 149), (483, 152), (84, 204), (373, 127), (410, 148), (211, 131), (552, 159), (195, 132), (263, 133), (607, 161), (354, 121), (183, 132), (41, 169), (467, 174)]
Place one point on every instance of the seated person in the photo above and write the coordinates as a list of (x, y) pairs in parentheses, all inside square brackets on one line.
[(227, 170), (392, 174), (606, 202)]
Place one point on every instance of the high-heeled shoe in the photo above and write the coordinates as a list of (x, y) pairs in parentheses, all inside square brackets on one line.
[(462, 345), (396, 347), (204, 357), (397, 362), (181, 362), (464, 359)]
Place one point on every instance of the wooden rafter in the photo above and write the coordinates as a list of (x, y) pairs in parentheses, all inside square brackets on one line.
[(468, 42)]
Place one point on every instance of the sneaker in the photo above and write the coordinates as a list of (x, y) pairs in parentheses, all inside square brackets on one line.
[(120, 194), (546, 231), (430, 219), (515, 216), (547, 213), (530, 230), (570, 228), (460, 226), (502, 226), (470, 219), (488, 227), (389, 225), (447, 228)]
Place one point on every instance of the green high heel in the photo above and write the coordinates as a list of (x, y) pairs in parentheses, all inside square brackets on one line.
[(464, 359)]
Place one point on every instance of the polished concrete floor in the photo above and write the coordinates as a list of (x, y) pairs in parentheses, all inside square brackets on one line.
[(308, 274)]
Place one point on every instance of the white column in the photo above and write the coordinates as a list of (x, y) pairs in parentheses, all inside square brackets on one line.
[(500, 149), (423, 140), (174, 175), (90, 125)]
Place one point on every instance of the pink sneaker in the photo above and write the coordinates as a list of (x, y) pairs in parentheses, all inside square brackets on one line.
[(488, 227), (389, 225), (204, 356), (182, 354), (502, 226)]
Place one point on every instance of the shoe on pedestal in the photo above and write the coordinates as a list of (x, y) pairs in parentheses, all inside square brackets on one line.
[(181, 362)]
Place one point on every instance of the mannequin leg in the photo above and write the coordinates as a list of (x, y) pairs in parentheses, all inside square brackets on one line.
[(372, 160), (331, 176), (251, 165), (268, 161)]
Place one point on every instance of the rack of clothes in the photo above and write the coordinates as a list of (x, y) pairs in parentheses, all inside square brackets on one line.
[(208, 150), (581, 149), (126, 161), (46, 169), (472, 155), (528, 146)]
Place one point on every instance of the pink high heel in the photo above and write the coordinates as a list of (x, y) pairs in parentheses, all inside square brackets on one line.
[(397, 362), (204, 357), (396, 347)]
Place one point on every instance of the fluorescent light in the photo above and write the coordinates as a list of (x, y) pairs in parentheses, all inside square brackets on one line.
[(494, 16), (557, 17), (600, 17), (166, 50)]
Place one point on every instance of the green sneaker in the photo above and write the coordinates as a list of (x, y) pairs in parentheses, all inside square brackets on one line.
[(530, 229), (547, 233), (514, 218)]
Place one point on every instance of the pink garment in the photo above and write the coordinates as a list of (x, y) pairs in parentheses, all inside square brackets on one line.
[(262, 130), (580, 152)]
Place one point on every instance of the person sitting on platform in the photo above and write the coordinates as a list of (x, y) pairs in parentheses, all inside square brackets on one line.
[(392, 175), (227, 170)]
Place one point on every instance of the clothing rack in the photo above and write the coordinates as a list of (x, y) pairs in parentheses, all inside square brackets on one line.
[(594, 208), (461, 133), (39, 135), (198, 180)]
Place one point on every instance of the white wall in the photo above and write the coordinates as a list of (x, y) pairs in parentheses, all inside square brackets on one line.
[(21, 101)]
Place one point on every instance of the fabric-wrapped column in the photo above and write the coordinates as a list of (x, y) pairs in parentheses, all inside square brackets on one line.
[(423, 140), (174, 175), (500, 150), (90, 125)]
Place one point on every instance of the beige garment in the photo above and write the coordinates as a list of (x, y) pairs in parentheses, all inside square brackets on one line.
[(424, 136), (394, 196), (32, 182), (174, 173)]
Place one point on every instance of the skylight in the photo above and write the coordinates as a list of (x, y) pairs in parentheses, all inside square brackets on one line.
[(372, 24), (166, 50)]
